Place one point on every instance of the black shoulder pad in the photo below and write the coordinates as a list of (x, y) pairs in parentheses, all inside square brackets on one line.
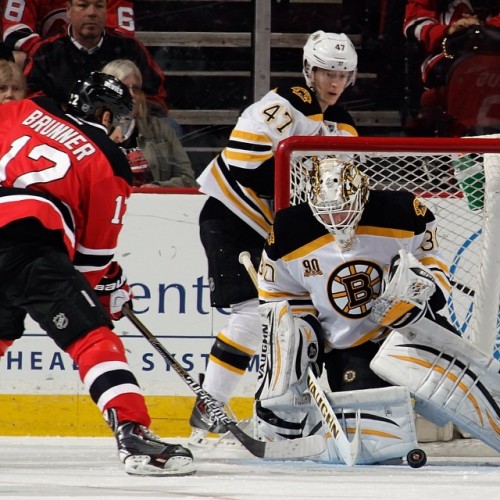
[(396, 210), (301, 98), (293, 228)]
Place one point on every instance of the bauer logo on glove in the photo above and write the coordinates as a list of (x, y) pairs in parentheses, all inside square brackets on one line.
[(113, 291), (408, 286)]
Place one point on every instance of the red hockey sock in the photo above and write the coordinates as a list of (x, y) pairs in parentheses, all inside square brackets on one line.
[(103, 346)]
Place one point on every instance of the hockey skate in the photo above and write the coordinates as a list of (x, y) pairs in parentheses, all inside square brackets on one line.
[(144, 454)]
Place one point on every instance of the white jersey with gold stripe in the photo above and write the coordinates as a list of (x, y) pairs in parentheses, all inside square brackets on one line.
[(242, 175), (302, 264)]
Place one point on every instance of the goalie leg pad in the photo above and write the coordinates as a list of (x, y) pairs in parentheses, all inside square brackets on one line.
[(290, 344), (286, 417), (450, 378), (387, 422)]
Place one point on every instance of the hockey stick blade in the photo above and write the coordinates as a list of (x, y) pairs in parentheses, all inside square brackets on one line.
[(348, 450), (305, 447)]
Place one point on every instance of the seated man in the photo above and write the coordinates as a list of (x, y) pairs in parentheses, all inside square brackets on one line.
[(86, 46), (26, 23)]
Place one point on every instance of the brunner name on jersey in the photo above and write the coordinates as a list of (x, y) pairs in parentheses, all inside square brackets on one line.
[(61, 132)]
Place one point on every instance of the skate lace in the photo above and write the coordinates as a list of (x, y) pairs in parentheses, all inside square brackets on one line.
[(149, 434)]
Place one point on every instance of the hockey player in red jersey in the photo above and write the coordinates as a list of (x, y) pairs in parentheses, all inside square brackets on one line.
[(430, 21), (63, 190), (26, 22)]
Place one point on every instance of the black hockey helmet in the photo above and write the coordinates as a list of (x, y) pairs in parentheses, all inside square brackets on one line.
[(100, 90)]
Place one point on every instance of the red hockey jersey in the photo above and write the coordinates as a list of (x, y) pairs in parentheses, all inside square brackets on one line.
[(26, 21), (68, 175)]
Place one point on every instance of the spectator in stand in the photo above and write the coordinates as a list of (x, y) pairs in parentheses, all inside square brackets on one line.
[(85, 46), (25, 23), (12, 82), (429, 22), (154, 151)]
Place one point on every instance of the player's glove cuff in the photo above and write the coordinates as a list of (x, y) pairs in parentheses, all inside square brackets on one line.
[(113, 291)]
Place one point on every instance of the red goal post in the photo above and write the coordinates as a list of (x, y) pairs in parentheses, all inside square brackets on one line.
[(460, 181)]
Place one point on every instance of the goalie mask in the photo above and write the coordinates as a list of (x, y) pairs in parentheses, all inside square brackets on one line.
[(330, 51), (337, 197)]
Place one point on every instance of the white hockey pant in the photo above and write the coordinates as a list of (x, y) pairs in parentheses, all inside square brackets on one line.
[(450, 378)]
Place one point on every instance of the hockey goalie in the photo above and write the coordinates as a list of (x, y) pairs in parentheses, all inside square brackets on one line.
[(353, 293)]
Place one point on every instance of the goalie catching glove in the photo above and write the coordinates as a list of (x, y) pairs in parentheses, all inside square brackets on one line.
[(113, 291), (408, 285)]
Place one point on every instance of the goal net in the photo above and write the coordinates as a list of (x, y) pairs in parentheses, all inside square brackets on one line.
[(459, 180)]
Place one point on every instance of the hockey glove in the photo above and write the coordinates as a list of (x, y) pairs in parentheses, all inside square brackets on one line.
[(113, 291)]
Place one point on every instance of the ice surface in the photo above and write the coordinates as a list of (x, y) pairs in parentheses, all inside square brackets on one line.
[(32, 467)]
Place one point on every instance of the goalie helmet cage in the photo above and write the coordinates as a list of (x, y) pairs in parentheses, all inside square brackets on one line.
[(459, 179)]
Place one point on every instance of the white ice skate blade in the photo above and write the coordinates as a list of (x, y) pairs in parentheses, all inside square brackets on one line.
[(138, 465)]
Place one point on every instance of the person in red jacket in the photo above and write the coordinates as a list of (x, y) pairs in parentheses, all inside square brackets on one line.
[(64, 185), (429, 22), (26, 22)]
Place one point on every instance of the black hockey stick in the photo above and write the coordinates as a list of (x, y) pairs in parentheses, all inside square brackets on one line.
[(290, 448)]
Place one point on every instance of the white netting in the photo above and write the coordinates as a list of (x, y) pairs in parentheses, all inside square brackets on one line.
[(452, 184)]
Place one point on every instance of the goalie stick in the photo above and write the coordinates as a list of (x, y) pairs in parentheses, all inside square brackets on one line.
[(296, 448), (245, 259), (348, 450)]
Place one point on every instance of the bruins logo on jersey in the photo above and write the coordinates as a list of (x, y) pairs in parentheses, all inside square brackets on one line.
[(419, 207), (303, 93), (353, 286)]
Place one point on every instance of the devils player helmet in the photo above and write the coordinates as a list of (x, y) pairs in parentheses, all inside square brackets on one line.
[(337, 197), (99, 90), (330, 51)]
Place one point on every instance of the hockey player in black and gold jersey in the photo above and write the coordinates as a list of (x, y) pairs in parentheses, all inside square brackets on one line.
[(333, 266), (321, 281), (239, 211), (340, 273)]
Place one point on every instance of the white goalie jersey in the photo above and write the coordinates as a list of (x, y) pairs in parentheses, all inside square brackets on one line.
[(242, 175), (303, 265)]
